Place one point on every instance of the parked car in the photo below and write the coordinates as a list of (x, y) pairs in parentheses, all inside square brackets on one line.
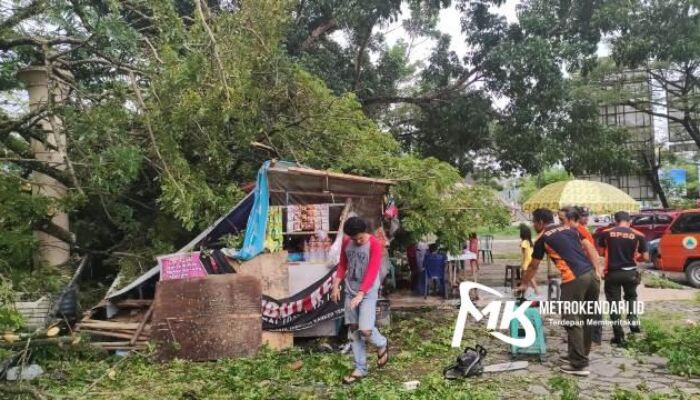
[(652, 223), (678, 248)]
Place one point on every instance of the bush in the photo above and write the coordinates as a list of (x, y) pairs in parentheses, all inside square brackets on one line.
[(659, 282), (681, 345), (10, 319)]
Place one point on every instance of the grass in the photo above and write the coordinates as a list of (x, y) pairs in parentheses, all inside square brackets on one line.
[(678, 341), (567, 389), (660, 282), (505, 232), (420, 349), (420, 344)]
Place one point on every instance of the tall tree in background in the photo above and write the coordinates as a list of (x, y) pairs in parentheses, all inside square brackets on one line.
[(661, 38), (505, 100), (171, 108)]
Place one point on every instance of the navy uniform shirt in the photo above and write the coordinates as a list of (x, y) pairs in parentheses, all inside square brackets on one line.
[(564, 246), (621, 245)]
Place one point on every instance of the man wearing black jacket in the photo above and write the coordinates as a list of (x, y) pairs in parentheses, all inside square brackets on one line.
[(620, 246)]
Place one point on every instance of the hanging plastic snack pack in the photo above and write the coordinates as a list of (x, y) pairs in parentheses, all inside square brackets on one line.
[(391, 211), (333, 255)]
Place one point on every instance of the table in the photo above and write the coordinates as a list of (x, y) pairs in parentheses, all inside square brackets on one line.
[(451, 271)]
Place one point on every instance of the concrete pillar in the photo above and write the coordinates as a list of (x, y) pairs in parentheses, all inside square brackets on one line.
[(52, 250)]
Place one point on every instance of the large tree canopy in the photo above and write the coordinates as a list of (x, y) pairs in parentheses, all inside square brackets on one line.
[(506, 99), (171, 108)]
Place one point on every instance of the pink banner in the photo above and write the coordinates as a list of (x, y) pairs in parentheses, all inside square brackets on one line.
[(181, 266)]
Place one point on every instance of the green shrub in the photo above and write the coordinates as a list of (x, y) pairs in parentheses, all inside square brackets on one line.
[(567, 386), (10, 319), (681, 345), (660, 282)]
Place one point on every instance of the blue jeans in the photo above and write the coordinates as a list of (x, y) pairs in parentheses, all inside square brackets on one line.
[(364, 317)]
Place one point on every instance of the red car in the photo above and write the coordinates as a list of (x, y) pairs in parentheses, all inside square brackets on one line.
[(678, 248), (652, 223)]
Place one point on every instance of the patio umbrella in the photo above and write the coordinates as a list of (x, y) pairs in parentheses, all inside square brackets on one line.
[(599, 197)]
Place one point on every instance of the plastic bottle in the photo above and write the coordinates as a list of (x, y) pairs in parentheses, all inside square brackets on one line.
[(317, 251)]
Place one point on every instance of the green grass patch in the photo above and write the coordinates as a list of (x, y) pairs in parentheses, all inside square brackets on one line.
[(624, 394), (659, 282), (420, 349), (680, 343), (505, 232), (567, 388)]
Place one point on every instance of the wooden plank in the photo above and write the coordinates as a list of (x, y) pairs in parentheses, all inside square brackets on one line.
[(94, 324), (272, 271), (334, 175), (209, 318), (142, 324), (329, 194), (113, 334), (278, 340), (134, 303)]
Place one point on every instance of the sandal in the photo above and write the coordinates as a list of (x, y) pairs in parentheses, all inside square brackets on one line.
[(352, 378), (384, 355)]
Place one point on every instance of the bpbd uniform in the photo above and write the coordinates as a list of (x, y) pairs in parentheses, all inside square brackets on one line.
[(621, 246), (564, 247)]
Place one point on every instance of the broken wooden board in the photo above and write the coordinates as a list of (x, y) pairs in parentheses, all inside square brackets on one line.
[(509, 366), (273, 272), (278, 340), (209, 318)]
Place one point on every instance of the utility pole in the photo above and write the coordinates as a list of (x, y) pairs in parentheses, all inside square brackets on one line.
[(52, 250)]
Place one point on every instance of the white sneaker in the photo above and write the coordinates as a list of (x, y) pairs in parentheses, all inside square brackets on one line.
[(568, 369)]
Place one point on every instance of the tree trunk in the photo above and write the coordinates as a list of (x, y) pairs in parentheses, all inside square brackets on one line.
[(52, 250)]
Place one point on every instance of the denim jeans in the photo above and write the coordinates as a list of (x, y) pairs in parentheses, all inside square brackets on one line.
[(364, 317)]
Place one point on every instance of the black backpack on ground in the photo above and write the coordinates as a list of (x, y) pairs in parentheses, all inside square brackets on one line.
[(468, 364)]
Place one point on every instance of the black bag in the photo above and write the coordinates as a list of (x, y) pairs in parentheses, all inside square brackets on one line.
[(468, 364)]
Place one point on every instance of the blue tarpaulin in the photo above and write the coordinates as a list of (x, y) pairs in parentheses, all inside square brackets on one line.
[(254, 241)]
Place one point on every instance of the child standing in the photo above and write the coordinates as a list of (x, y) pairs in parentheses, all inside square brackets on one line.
[(526, 256), (474, 249)]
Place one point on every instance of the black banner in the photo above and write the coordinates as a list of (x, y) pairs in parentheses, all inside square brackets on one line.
[(303, 310)]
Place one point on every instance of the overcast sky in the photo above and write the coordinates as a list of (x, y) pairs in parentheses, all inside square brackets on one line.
[(449, 23)]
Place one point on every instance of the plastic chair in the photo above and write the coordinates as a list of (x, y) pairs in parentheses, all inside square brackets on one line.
[(486, 249), (434, 271)]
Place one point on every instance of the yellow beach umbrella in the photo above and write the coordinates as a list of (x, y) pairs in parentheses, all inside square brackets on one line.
[(599, 197)]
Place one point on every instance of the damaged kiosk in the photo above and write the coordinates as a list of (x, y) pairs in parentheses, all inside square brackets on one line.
[(262, 273)]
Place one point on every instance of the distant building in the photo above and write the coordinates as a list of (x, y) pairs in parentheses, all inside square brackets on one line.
[(679, 141), (637, 183)]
